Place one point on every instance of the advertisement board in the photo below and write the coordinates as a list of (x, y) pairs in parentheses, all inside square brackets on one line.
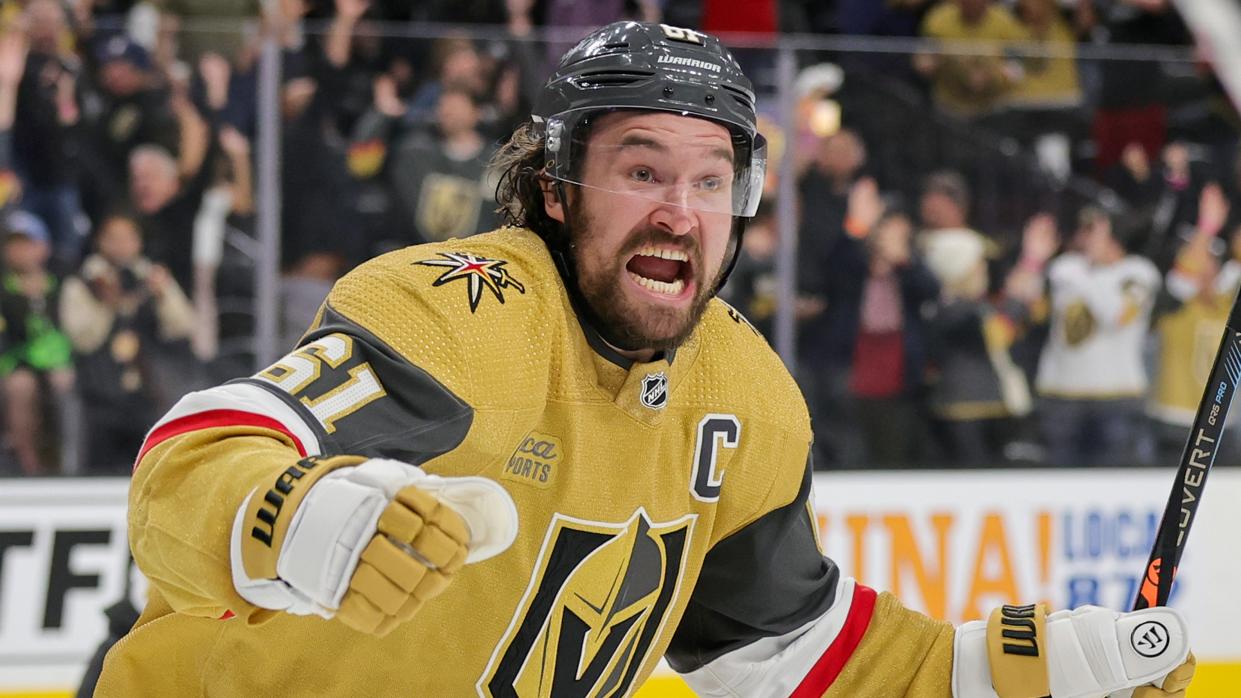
[(953, 544)]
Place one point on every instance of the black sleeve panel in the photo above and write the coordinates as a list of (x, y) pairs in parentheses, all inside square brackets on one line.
[(767, 579), (416, 420)]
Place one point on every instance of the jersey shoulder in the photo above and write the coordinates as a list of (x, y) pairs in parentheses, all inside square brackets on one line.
[(738, 368), (736, 372), (1143, 269), (477, 313)]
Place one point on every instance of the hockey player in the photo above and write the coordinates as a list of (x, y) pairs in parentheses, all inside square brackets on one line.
[(532, 462)]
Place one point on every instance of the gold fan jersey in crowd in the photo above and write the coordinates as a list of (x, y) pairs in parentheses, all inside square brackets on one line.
[(663, 506)]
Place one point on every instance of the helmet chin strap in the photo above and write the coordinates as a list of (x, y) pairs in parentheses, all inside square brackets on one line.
[(738, 233), (563, 257)]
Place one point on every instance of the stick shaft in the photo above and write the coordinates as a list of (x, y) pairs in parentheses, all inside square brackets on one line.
[(1196, 459)]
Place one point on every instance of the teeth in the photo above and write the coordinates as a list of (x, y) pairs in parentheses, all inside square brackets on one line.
[(675, 255), (669, 289)]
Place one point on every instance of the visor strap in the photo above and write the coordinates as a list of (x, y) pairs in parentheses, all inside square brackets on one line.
[(738, 226)]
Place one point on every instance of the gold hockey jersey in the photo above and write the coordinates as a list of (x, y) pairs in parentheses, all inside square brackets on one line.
[(663, 506)]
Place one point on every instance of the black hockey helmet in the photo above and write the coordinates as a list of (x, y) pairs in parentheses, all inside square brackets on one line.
[(635, 65)]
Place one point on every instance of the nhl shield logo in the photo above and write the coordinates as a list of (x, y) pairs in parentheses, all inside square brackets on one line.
[(655, 390)]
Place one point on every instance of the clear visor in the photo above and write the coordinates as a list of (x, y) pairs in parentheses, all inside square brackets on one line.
[(704, 178)]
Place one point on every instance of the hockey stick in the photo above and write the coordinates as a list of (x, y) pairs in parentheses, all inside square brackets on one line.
[(1191, 477), (1215, 24)]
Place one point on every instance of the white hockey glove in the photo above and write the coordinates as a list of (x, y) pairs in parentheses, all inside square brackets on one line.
[(363, 541), (1022, 652)]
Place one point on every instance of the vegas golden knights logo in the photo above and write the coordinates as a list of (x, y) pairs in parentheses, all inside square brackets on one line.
[(597, 600), (448, 206), (1079, 323)]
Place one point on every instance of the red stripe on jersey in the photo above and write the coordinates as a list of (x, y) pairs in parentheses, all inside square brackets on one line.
[(827, 668), (214, 418)]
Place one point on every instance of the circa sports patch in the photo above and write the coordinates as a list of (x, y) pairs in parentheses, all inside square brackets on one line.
[(478, 273)]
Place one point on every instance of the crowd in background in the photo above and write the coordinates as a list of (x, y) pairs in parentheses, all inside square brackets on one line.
[(1008, 252)]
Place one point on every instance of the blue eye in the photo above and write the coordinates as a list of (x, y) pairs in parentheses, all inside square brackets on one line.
[(712, 184)]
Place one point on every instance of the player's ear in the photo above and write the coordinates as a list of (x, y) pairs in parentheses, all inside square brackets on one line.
[(551, 199)]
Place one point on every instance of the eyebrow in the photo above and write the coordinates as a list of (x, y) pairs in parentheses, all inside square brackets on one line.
[(640, 141)]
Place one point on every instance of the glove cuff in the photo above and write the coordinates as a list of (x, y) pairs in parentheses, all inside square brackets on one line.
[(260, 530), (1016, 650), (1022, 652)]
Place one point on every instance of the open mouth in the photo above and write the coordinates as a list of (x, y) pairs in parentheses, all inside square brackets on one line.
[(662, 270)]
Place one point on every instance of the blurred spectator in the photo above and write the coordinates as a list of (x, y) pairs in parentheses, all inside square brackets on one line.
[(1045, 105), (1091, 375), (510, 105), (977, 390), (13, 49), (945, 202), (1164, 199), (315, 183), (353, 53), (227, 95), (47, 131), (944, 206), (1199, 296), (232, 198), (1126, 114), (962, 84), (1133, 178), (202, 26), (823, 191), (875, 357), (1048, 82), (818, 115), (132, 110), (119, 311), (1172, 215), (35, 357), (319, 199), (751, 287), (458, 66), (439, 178), (47, 27), (166, 207)]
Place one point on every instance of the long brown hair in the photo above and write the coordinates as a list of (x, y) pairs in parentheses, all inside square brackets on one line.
[(519, 165)]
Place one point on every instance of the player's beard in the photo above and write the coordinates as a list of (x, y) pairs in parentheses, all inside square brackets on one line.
[(626, 323)]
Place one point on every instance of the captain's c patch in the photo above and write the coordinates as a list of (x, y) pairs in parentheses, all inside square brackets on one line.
[(478, 273)]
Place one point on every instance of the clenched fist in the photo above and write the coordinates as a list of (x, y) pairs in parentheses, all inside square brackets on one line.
[(363, 541)]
